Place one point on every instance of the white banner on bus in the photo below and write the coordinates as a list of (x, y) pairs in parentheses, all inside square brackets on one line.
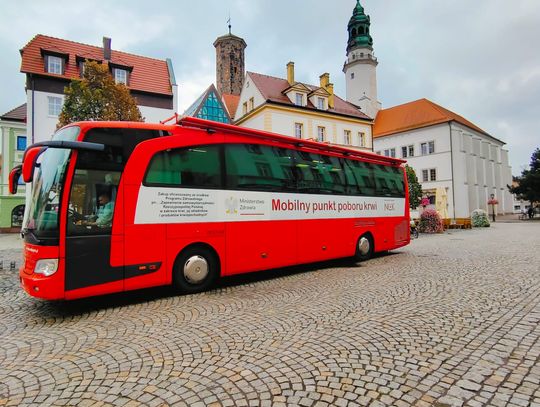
[(179, 205)]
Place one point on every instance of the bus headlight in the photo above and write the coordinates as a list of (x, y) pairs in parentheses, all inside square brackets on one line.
[(47, 267)]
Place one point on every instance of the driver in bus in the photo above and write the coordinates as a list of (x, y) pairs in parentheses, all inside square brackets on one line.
[(104, 212)]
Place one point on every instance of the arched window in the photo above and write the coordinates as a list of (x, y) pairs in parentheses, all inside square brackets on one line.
[(353, 32), (17, 215)]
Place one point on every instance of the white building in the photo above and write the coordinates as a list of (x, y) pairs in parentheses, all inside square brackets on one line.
[(51, 63), (360, 68), (449, 154), (458, 164)]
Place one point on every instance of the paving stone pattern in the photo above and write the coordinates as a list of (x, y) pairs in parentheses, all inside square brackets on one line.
[(450, 320)]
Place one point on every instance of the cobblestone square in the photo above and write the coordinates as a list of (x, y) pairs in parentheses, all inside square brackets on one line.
[(450, 320)]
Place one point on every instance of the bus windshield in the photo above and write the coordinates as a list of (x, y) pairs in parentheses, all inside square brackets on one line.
[(44, 204)]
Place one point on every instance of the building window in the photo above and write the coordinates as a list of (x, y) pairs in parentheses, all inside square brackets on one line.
[(347, 137), (120, 76), (427, 148), (244, 107), (251, 103), (55, 105), (54, 64), (321, 133), (21, 143), (429, 175), (299, 99), (361, 139), (320, 103), (298, 130), (352, 73), (407, 151), (390, 152)]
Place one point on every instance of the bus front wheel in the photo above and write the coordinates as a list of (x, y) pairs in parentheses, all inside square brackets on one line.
[(364, 247), (195, 270)]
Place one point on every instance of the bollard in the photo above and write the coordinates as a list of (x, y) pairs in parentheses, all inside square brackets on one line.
[(1, 264), (12, 265)]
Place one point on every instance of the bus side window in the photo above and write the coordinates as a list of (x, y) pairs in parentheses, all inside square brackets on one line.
[(192, 167), (259, 167)]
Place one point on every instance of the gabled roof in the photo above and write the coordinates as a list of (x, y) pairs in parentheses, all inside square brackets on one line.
[(231, 103), (147, 74), (209, 106), (272, 89), (18, 114), (414, 115)]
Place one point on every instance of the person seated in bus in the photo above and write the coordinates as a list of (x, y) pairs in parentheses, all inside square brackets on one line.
[(104, 212)]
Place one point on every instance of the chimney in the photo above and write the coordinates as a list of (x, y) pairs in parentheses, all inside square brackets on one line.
[(290, 73), (330, 89), (106, 48), (325, 80)]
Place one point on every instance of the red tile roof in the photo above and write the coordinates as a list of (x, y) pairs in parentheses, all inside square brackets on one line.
[(231, 102), (148, 74), (18, 114), (271, 89), (414, 115)]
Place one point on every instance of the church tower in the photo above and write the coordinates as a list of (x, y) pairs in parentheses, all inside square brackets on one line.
[(361, 65), (229, 64)]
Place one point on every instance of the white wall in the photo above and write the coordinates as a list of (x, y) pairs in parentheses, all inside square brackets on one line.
[(45, 124), (154, 114), (486, 168), (469, 164), (440, 160), (249, 90), (362, 89), (282, 121)]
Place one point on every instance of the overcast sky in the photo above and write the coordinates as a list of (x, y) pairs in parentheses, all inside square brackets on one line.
[(477, 58)]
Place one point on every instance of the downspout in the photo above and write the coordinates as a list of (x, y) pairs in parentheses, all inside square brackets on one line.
[(33, 108), (452, 170)]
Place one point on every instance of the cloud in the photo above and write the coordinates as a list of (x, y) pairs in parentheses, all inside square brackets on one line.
[(477, 58)]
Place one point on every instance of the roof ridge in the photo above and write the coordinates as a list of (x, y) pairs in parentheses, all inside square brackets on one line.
[(439, 107), (93, 46)]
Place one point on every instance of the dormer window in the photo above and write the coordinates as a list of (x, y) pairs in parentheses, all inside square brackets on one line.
[(54, 64), (120, 76), (299, 101), (320, 103)]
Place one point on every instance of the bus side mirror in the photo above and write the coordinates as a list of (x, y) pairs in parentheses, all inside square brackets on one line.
[(29, 162), (14, 176)]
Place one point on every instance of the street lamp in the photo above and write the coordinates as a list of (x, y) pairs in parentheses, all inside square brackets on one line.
[(493, 202)]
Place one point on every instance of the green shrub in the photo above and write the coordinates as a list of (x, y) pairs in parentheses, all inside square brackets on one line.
[(479, 218), (430, 222)]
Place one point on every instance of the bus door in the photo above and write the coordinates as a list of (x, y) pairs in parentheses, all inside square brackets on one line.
[(94, 256)]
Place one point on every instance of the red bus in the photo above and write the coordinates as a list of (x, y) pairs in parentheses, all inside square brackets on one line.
[(118, 206)]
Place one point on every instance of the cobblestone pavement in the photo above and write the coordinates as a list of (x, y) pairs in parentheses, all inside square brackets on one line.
[(450, 320)]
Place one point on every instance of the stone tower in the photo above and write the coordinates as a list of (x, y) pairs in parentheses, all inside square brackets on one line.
[(361, 65), (229, 64)]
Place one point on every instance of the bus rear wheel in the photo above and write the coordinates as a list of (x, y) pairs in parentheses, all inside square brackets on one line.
[(364, 247), (196, 269)]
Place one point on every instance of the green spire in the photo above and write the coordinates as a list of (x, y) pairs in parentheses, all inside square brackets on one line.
[(359, 29)]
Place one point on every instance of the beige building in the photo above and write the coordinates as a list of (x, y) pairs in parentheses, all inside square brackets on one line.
[(300, 110)]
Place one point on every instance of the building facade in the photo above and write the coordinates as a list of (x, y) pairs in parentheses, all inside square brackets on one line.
[(360, 68), (51, 63), (13, 141), (304, 111), (451, 156), (230, 64)]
